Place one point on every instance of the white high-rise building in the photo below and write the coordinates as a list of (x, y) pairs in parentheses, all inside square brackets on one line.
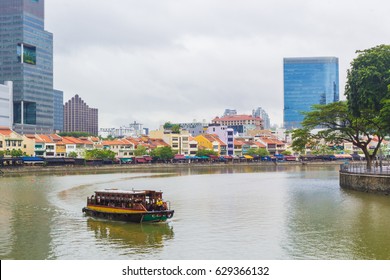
[(6, 104), (260, 112)]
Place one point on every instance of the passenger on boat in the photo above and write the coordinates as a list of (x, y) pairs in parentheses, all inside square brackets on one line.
[(159, 204)]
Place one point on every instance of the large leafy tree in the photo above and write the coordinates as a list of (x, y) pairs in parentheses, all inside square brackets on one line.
[(257, 152), (162, 153), (140, 151), (385, 114), (206, 152), (338, 124), (368, 81), (368, 85), (99, 154)]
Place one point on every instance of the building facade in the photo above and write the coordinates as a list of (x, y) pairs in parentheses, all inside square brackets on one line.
[(132, 130), (78, 116), (308, 81), (6, 105), (194, 128), (26, 59), (239, 123), (58, 99), (261, 113), (225, 134), (179, 142)]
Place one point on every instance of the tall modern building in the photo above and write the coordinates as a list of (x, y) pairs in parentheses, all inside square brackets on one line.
[(261, 113), (308, 81), (58, 105), (78, 116), (6, 105), (26, 59)]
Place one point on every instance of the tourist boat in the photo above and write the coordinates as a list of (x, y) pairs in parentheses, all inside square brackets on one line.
[(128, 205)]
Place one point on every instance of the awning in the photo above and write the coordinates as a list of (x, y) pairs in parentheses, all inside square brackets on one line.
[(192, 157), (126, 160), (343, 156), (31, 159), (180, 157), (213, 157), (248, 157)]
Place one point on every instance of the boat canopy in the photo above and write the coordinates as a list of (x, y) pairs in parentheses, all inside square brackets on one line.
[(126, 192)]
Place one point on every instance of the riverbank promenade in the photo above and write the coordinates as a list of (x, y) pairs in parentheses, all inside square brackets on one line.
[(155, 167), (357, 176)]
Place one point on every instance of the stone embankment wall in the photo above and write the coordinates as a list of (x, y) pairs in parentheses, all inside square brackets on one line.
[(364, 182), (32, 170)]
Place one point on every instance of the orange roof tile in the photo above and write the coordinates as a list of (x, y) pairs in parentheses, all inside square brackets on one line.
[(42, 138), (72, 140), (5, 131)]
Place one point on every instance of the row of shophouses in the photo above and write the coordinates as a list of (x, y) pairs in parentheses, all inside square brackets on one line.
[(219, 139)]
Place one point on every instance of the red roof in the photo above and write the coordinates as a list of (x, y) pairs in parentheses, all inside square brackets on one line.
[(5, 131), (42, 138)]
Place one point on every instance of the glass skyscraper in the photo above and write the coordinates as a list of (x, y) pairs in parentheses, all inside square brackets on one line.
[(308, 81), (58, 110), (26, 59)]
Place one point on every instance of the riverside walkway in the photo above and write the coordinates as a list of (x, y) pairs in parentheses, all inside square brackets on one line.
[(361, 168), (356, 176)]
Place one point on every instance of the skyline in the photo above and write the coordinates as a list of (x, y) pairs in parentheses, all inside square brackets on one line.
[(182, 60)]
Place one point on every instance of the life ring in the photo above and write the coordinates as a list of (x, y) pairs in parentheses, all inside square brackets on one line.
[(169, 215)]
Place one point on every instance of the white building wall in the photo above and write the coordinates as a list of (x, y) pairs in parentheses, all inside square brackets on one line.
[(6, 104), (223, 134)]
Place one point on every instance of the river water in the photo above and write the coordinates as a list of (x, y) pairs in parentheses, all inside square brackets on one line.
[(277, 213)]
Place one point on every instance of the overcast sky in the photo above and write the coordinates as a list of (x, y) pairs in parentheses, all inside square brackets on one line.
[(153, 61)]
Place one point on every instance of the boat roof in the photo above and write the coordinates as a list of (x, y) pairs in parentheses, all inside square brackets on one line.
[(130, 192)]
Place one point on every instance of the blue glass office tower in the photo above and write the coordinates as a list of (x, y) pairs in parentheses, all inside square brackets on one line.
[(26, 58), (308, 81), (58, 110)]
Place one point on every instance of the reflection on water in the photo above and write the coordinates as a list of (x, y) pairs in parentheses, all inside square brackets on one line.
[(272, 212), (135, 238), (24, 219), (326, 225)]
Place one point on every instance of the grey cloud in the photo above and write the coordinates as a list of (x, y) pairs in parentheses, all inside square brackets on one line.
[(153, 60)]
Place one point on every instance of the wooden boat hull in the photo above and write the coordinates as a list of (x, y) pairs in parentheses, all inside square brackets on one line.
[(127, 215)]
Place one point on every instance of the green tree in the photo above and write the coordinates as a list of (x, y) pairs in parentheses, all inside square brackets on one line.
[(167, 125), (206, 152), (140, 151), (16, 153), (385, 115), (175, 128), (99, 154), (286, 153), (368, 82), (162, 153), (301, 139), (257, 152), (338, 124), (72, 155), (322, 149)]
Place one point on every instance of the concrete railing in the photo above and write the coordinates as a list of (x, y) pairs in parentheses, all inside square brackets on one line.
[(359, 168), (360, 178)]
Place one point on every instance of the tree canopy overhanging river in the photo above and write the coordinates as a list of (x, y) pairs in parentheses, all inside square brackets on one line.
[(296, 212)]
